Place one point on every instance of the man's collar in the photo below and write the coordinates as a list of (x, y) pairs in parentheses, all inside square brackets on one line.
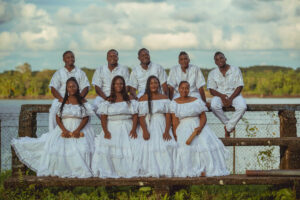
[(73, 70), (149, 66)]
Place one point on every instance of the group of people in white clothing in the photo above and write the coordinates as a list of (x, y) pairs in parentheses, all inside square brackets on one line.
[(153, 125)]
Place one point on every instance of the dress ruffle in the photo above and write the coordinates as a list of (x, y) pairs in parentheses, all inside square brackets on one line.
[(206, 153), (52, 155)]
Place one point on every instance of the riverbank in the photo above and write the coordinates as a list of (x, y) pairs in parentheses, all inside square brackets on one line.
[(92, 96)]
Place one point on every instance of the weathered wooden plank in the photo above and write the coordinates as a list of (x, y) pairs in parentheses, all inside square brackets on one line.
[(274, 172), (43, 108), (261, 141), (289, 155), (91, 182)]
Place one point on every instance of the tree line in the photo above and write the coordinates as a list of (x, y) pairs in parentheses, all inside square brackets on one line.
[(258, 80)]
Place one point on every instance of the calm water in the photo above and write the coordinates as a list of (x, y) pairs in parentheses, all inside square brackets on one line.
[(253, 124)]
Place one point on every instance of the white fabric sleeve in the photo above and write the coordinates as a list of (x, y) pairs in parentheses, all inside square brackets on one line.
[(173, 107), (89, 111), (84, 81), (55, 81), (97, 81), (55, 107), (133, 82), (143, 108), (200, 81), (134, 107), (103, 108), (201, 107), (239, 78), (172, 77), (211, 83), (162, 75), (126, 75), (167, 106)]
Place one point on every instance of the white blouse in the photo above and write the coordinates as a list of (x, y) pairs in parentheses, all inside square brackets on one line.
[(157, 106), (119, 110), (191, 109), (74, 111)]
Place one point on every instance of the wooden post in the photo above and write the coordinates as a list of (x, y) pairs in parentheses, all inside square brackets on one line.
[(27, 127), (289, 155), (233, 156), (0, 147)]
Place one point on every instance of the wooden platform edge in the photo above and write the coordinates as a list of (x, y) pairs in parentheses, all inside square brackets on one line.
[(94, 182)]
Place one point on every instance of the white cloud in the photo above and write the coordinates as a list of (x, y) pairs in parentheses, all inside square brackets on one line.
[(170, 41), (98, 41), (44, 40), (8, 41)]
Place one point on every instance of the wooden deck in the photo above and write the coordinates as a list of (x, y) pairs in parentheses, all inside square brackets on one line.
[(94, 182)]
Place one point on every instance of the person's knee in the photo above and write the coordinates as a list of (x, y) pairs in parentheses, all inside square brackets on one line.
[(241, 107), (216, 103)]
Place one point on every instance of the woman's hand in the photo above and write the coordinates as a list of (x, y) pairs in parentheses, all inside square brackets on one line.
[(66, 134), (133, 134), (175, 136), (107, 135), (76, 134), (167, 136), (146, 135), (198, 130)]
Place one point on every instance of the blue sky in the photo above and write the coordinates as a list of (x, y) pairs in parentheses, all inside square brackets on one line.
[(256, 32)]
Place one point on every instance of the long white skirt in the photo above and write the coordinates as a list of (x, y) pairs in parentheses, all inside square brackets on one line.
[(206, 153), (113, 157), (157, 154), (52, 155)]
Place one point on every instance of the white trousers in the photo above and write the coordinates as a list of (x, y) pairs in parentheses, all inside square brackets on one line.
[(52, 115), (238, 103)]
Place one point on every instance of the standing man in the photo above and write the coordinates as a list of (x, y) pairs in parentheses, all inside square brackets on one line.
[(140, 74), (225, 83), (186, 72), (58, 84), (103, 76)]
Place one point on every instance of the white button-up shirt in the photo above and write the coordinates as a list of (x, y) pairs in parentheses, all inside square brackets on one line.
[(103, 77), (193, 75), (139, 76), (225, 84), (60, 77)]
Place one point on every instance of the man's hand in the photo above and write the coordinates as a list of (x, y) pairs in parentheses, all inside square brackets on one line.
[(227, 102)]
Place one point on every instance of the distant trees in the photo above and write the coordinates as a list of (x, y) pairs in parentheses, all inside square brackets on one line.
[(258, 80)]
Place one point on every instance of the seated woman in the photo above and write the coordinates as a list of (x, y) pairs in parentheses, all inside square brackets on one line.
[(115, 146), (199, 150), (66, 151), (158, 145)]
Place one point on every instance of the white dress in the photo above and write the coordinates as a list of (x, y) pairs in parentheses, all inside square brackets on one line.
[(53, 155), (113, 157), (157, 154), (206, 153)]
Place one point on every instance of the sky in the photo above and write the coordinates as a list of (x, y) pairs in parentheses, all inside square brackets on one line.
[(249, 32)]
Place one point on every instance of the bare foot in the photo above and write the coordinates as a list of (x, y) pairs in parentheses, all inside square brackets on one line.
[(203, 174)]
